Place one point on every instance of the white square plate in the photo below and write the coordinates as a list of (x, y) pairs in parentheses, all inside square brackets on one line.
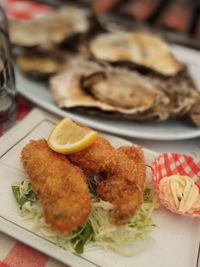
[(176, 239)]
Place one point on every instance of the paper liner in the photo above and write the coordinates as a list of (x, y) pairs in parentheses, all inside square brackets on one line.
[(169, 164)]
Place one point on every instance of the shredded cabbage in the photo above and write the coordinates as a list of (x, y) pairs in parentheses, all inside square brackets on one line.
[(97, 232)]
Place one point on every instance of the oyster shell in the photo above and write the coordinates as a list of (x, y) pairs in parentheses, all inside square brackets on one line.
[(98, 88), (194, 113), (51, 29), (42, 64), (181, 91), (139, 48), (121, 88), (68, 92)]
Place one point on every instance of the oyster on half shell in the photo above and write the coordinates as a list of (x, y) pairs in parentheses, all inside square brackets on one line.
[(194, 113), (98, 88), (68, 91), (50, 29), (121, 88), (180, 89), (40, 65), (125, 88), (139, 48)]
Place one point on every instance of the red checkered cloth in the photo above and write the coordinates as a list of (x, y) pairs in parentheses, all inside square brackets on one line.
[(169, 164), (21, 255), (24, 107), (25, 10), (16, 254)]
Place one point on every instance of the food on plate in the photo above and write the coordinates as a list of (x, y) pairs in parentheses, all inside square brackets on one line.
[(68, 89), (139, 48), (182, 94), (40, 65), (123, 186), (127, 89), (180, 192), (61, 186), (122, 75), (68, 137), (105, 202), (122, 88), (176, 179), (136, 154), (99, 88), (120, 181), (194, 112), (93, 159), (98, 231), (50, 30)]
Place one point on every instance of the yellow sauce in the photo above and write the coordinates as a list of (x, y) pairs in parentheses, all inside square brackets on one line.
[(180, 192)]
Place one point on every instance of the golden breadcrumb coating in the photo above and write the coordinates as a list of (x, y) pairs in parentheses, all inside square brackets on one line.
[(60, 185), (123, 171), (94, 158)]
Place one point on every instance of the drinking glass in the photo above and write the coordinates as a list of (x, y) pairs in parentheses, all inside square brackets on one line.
[(8, 100), (3, 20)]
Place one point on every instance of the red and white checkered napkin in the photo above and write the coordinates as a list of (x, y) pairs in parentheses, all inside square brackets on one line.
[(169, 164), (16, 254), (25, 10)]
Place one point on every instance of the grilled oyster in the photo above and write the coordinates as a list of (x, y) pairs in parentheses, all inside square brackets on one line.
[(126, 101), (49, 30), (103, 89), (41, 65), (136, 49), (181, 91), (121, 88), (194, 113)]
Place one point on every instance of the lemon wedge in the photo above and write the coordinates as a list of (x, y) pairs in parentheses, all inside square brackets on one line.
[(68, 137)]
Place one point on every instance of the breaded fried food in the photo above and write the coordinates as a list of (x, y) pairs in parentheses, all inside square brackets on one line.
[(136, 154), (60, 185), (120, 187), (125, 184), (123, 173), (93, 159)]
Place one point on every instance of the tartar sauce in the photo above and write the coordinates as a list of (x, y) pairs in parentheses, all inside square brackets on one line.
[(180, 192)]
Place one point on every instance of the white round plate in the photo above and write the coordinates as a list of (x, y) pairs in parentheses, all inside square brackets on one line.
[(169, 130)]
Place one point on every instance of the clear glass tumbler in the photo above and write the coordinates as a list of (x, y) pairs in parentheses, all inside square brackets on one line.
[(8, 100), (3, 20)]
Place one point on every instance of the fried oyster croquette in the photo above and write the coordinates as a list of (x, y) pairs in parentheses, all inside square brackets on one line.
[(122, 172), (61, 181), (61, 186)]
